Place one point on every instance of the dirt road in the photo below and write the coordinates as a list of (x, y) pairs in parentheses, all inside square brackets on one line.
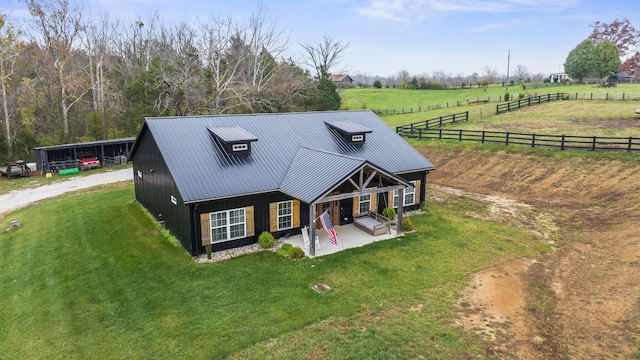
[(21, 198), (590, 308)]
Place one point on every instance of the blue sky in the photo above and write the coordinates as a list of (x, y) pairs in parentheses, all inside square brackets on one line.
[(421, 36)]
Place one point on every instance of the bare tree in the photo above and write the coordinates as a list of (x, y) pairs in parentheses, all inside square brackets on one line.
[(490, 74), (324, 56), (521, 72), (59, 26), (9, 51)]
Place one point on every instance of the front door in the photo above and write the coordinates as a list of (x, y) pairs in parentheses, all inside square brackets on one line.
[(333, 208)]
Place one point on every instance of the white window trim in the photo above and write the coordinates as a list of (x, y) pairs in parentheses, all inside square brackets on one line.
[(413, 191), (286, 215), (360, 201), (357, 138), (228, 225)]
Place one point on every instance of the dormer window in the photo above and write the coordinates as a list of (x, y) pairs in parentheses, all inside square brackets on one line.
[(351, 132), (233, 140)]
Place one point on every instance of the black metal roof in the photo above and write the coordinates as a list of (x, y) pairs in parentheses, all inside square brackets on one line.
[(349, 127), (86, 144), (296, 153), (232, 134)]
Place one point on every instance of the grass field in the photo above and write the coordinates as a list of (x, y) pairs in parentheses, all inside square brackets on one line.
[(581, 117), (86, 281)]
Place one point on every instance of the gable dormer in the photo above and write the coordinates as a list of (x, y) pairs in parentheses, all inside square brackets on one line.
[(351, 133), (233, 140)]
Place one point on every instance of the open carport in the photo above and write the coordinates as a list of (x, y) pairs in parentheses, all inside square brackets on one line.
[(57, 157)]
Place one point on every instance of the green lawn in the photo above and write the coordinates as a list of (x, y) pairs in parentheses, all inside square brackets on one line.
[(84, 281), (581, 117)]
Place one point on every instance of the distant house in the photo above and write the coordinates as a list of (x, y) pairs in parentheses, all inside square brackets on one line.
[(221, 180), (559, 78), (342, 80)]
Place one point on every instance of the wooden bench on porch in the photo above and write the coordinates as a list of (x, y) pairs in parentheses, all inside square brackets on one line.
[(373, 223)]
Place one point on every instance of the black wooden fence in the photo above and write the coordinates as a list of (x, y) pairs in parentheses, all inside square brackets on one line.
[(515, 105), (410, 129), (562, 142)]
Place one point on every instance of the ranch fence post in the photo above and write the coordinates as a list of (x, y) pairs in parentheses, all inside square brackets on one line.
[(593, 147), (440, 134), (466, 114), (562, 143), (440, 121), (607, 97), (420, 133), (460, 136), (454, 117), (507, 138), (630, 142), (533, 140), (482, 141)]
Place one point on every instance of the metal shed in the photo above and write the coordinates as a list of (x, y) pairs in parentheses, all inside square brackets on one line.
[(54, 158)]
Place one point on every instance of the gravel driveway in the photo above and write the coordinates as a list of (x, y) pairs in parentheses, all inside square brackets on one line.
[(17, 199)]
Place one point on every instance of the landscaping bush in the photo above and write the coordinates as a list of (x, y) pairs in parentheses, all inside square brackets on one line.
[(284, 249), (266, 240), (377, 84), (296, 252), (407, 225), (389, 213), (506, 96)]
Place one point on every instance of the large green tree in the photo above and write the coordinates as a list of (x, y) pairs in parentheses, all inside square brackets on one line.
[(581, 61), (607, 58)]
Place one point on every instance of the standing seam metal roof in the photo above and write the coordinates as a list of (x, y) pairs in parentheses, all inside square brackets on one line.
[(201, 171)]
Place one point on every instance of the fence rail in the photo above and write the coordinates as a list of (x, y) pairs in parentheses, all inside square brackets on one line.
[(409, 129), (444, 105), (536, 100), (562, 142)]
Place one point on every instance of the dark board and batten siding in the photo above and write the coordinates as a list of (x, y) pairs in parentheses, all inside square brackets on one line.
[(155, 190)]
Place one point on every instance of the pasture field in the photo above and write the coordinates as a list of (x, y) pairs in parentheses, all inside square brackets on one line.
[(84, 281), (569, 117)]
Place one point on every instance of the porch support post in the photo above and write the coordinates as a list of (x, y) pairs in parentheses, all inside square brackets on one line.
[(399, 214), (312, 229)]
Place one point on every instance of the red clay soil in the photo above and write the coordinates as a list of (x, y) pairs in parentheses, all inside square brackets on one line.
[(591, 305)]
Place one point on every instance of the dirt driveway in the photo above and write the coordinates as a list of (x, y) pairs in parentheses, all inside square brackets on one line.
[(580, 301), (20, 198)]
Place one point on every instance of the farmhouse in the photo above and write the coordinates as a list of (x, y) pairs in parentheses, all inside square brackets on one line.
[(222, 180)]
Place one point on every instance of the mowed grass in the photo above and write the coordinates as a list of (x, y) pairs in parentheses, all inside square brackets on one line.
[(374, 99), (91, 276), (572, 117)]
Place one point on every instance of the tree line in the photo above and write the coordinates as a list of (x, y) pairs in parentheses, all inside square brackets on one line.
[(610, 48), (67, 76)]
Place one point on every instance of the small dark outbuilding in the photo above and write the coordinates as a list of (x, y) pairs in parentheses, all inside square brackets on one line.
[(57, 157), (221, 180)]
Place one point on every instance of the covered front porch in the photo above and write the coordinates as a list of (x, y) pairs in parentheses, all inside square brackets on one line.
[(349, 236)]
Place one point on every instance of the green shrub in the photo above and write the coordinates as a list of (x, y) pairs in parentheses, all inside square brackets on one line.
[(266, 240), (389, 213), (296, 252), (208, 248), (506, 96), (521, 96), (407, 225), (377, 84), (284, 249)]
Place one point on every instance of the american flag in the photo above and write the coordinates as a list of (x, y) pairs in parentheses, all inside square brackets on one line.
[(328, 226)]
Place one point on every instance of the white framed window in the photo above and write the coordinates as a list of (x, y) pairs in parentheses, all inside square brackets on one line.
[(228, 225), (355, 138), (409, 195), (364, 203), (285, 215), (239, 147)]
